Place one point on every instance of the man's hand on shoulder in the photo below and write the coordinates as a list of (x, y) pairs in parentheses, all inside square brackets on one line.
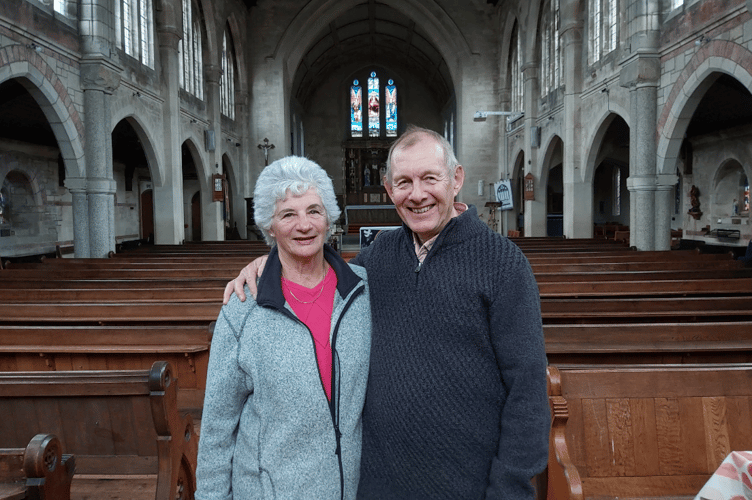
[(248, 275)]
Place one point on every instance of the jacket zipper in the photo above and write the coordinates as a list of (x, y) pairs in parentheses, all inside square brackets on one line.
[(335, 393)]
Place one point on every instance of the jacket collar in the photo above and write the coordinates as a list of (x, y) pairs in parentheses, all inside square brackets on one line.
[(270, 283)]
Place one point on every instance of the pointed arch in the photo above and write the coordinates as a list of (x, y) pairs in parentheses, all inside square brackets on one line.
[(712, 59), (39, 79)]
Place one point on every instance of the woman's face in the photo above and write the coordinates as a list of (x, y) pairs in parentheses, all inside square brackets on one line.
[(299, 225)]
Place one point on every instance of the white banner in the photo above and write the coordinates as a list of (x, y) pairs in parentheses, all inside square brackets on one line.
[(504, 194)]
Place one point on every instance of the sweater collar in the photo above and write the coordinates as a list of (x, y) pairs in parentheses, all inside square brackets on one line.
[(460, 228), (270, 284)]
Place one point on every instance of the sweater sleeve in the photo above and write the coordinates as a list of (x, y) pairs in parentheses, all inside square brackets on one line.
[(517, 336), (227, 389)]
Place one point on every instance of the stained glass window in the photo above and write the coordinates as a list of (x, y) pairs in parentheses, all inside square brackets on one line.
[(380, 115), (356, 110), (391, 109), (374, 124)]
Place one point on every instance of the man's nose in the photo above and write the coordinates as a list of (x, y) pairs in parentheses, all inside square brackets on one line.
[(417, 192)]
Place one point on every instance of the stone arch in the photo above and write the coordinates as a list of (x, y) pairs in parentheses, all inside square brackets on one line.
[(240, 55), (595, 141), (156, 168), (717, 56), (31, 70), (441, 28)]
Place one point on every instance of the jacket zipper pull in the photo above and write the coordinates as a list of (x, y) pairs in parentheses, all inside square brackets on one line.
[(417, 269)]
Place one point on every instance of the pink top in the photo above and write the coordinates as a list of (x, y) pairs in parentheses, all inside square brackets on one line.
[(314, 306)]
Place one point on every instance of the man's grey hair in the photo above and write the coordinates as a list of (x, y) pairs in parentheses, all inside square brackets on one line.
[(414, 134), (295, 175)]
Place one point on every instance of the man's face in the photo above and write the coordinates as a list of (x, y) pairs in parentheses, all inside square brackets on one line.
[(422, 189)]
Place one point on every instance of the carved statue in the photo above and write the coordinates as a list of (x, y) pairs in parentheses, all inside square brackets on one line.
[(694, 200)]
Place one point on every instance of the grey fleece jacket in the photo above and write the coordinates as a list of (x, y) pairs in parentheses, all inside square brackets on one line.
[(267, 429)]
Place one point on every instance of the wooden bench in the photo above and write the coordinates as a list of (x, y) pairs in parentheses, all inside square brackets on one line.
[(104, 313), (649, 342), (646, 288), (39, 471), (123, 426), (641, 309), (87, 347), (645, 431)]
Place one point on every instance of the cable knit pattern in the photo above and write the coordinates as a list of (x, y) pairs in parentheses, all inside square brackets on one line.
[(456, 406)]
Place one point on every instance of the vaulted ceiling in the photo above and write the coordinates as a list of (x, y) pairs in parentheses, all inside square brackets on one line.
[(372, 34)]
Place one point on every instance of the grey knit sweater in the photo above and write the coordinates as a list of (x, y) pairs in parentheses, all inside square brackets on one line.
[(267, 429), (456, 406)]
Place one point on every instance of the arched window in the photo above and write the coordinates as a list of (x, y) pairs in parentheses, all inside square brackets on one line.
[(550, 69), (227, 87), (381, 110), (515, 73), (604, 33), (134, 20), (191, 50)]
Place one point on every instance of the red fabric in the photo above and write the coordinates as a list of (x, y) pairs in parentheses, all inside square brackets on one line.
[(317, 316)]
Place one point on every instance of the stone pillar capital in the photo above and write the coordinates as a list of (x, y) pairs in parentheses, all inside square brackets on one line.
[(530, 70), (666, 181), (169, 37), (101, 185), (75, 184), (99, 74), (643, 69), (641, 182), (212, 73)]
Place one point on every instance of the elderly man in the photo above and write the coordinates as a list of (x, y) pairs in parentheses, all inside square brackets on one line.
[(456, 404)]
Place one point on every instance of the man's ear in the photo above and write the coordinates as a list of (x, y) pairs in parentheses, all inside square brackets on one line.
[(459, 179), (388, 187)]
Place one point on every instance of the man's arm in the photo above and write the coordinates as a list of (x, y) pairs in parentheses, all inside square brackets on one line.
[(517, 336), (248, 275)]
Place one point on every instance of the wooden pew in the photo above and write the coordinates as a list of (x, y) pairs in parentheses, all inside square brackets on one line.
[(123, 427), (87, 347), (645, 288), (649, 342), (105, 313), (39, 471), (645, 431), (641, 309)]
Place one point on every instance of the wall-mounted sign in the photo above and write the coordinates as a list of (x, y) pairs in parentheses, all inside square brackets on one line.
[(504, 194), (529, 187)]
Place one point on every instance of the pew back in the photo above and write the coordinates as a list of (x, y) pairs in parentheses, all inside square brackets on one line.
[(116, 422), (639, 431)]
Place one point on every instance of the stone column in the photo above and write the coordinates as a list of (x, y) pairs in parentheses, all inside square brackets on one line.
[(578, 192), (641, 74), (77, 188), (99, 79), (535, 210), (212, 223), (243, 188), (168, 196), (664, 191)]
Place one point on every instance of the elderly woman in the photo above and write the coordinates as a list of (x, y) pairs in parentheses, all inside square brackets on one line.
[(287, 372)]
